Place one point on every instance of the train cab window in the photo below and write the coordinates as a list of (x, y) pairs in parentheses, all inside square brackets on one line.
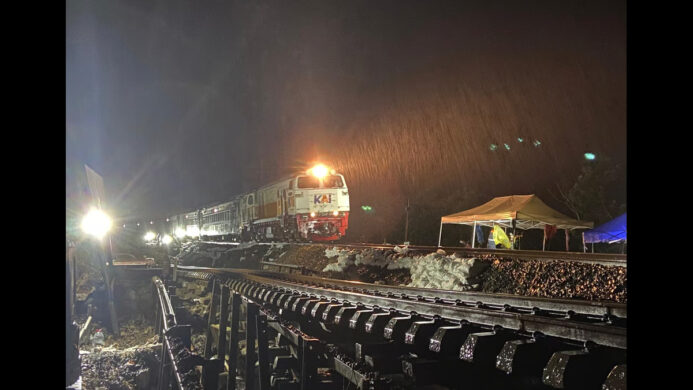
[(250, 200), (291, 184), (332, 181), (308, 182)]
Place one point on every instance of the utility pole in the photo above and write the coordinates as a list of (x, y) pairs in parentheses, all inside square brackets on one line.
[(406, 225), (103, 249)]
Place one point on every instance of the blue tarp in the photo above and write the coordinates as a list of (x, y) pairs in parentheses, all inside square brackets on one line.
[(614, 230)]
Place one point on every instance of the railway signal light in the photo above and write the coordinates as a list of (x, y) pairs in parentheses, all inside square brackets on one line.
[(590, 156)]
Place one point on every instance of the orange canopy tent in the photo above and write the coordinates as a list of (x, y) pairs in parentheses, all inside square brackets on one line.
[(526, 211)]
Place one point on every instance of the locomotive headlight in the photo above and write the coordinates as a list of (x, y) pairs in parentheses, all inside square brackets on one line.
[(180, 233), (96, 223), (335, 213), (319, 171), (149, 236), (312, 214), (166, 239)]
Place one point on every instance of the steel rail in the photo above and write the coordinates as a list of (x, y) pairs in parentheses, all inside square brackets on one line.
[(168, 315), (566, 324), (169, 330)]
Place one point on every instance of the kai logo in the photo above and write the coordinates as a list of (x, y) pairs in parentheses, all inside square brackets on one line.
[(324, 198)]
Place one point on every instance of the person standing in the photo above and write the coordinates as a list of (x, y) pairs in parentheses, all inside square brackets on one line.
[(491, 244)]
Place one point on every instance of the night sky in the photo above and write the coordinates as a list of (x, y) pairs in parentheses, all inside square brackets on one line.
[(182, 103)]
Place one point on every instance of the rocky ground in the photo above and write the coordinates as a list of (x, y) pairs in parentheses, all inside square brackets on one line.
[(128, 362), (556, 279)]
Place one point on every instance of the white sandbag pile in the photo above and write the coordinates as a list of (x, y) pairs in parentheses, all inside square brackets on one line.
[(402, 262), (401, 249), (446, 272), (345, 258), (368, 256), (435, 270), (372, 257)]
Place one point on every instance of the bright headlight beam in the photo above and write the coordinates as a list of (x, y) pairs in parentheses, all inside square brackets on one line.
[(149, 236), (180, 233), (319, 171), (96, 223), (166, 239)]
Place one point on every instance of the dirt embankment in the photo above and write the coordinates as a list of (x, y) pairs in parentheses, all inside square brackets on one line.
[(489, 273)]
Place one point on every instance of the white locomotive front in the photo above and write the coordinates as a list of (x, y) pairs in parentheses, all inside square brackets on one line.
[(312, 206)]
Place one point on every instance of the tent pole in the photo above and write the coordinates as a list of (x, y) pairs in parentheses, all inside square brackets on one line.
[(473, 234), (543, 243), (440, 234)]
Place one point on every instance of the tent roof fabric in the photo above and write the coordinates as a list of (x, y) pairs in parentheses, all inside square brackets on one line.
[(614, 230), (528, 211)]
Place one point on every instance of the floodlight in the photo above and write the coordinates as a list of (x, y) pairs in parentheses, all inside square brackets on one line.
[(96, 223)]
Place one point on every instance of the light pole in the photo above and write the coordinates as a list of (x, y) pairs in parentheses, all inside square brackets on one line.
[(406, 224), (97, 224)]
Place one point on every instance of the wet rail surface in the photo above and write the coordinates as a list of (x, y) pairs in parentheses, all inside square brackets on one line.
[(377, 336)]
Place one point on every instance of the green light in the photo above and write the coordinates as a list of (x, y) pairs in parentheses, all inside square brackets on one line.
[(493, 147), (507, 147), (366, 208), (537, 143), (589, 156), (520, 139)]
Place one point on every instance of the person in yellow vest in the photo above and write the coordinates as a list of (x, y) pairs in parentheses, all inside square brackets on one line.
[(500, 237)]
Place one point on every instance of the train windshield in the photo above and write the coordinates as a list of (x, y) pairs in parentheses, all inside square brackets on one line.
[(330, 181)]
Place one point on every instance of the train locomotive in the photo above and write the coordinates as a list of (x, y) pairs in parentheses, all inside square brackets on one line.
[(313, 206)]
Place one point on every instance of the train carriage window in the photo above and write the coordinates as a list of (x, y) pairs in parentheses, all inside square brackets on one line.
[(250, 200)]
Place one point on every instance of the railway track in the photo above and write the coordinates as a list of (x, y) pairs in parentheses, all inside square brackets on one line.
[(377, 336), (608, 259)]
